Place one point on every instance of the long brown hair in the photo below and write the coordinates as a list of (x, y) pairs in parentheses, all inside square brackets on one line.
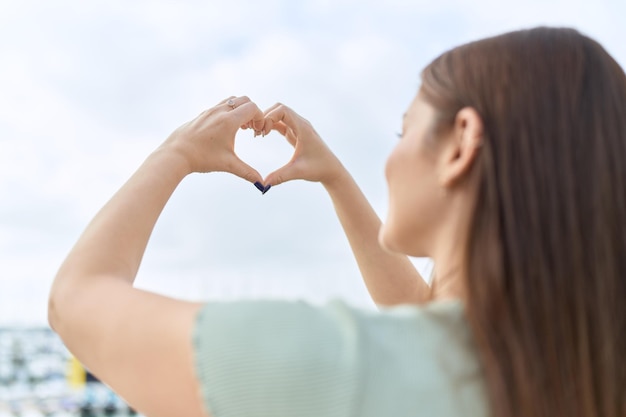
[(546, 261)]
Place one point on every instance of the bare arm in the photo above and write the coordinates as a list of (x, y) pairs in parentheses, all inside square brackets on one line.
[(137, 342), (390, 278)]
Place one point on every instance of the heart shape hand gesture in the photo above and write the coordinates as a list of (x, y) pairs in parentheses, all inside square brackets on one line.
[(208, 143)]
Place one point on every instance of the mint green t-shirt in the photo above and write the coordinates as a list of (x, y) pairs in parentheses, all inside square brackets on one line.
[(293, 359)]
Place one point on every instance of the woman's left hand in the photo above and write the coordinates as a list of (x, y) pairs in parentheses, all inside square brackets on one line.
[(207, 143)]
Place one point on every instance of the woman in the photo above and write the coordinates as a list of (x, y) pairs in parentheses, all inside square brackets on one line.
[(510, 174)]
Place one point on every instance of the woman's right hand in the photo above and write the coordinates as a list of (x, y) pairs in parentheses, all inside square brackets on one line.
[(390, 278), (312, 160)]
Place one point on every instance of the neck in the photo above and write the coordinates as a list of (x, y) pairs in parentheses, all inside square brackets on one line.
[(449, 252), (448, 285)]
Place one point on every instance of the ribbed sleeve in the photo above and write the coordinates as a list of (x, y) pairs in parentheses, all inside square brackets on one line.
[(277, 359), (291, 359)]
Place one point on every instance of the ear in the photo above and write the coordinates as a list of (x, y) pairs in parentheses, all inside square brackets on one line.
[(462, 146)]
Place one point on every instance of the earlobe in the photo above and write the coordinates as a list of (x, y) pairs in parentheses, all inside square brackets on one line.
[(464, 144)]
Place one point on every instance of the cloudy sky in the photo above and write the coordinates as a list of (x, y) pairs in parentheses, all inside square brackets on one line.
[(88, 89)]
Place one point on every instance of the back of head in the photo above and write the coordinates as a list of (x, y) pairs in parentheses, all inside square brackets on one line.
[(546, 264)]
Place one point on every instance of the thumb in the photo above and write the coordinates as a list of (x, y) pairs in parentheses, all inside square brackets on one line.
[(283, 174), (243, 170)]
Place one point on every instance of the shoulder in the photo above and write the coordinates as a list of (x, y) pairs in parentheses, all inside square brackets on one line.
[(285, 358), (425, 359), (332, 357), (259, 322), (267, 327)]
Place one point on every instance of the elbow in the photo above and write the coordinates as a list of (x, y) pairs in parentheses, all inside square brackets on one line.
[(59, 302), (54, 315), (62, 292), (74, 301)]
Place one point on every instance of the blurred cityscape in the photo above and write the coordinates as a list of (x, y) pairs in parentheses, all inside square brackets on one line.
[(40, 378)]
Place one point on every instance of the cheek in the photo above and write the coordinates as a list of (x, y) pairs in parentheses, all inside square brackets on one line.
[(398, 177), (411, 206)]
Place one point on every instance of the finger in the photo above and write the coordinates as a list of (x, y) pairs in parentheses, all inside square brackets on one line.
[(284, 130), (283, 174), (280, 127), (243, 170), (271, 108), (247, 125), (225, 100), (268, 124), (282, 113), (232, 103), (248, 113), (219, 105)]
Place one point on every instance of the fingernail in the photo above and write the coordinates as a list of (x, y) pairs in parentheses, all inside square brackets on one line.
[(259, 187), (267, 188), (257, 133)]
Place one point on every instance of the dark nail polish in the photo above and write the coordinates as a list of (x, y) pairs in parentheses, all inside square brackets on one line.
[(259, 187), (267, 188)]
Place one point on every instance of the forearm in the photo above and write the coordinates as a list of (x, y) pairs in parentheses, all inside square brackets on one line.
[(390, 278), (114, 242)]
